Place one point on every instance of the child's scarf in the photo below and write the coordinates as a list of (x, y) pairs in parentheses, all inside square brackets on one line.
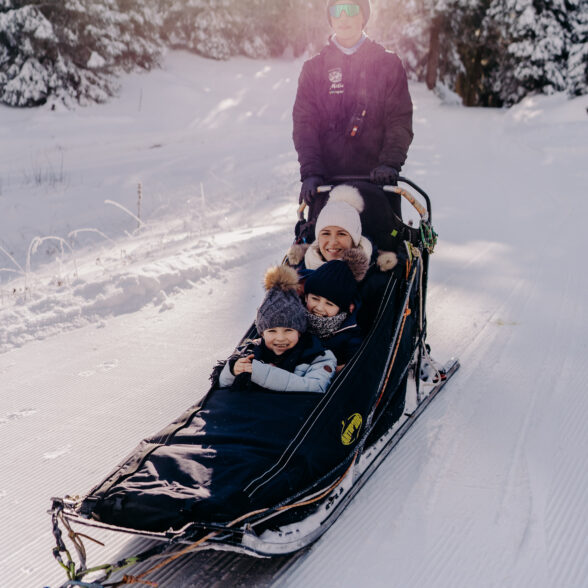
[(325, 326)]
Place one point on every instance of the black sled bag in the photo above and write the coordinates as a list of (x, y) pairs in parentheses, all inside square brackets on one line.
[(242, 450)]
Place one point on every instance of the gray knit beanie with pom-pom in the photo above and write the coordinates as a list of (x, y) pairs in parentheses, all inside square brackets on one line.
[(281, 306)]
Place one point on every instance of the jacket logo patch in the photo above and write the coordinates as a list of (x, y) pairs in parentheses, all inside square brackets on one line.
[(336, 79), (335, 76), (351, 428)]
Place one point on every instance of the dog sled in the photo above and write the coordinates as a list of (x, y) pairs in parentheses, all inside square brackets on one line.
[(267, 473)]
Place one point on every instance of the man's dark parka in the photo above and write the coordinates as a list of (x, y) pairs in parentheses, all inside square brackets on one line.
[(334, 90)]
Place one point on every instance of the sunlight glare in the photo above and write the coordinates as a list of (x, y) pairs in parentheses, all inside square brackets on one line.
[(263, 73)]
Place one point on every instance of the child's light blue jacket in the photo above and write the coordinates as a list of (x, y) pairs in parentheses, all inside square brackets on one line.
[(313, 377)]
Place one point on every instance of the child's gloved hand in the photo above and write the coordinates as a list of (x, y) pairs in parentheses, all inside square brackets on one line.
[(243, 365)]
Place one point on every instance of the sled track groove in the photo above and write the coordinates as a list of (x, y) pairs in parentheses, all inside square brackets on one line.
[(566, 515), (219, 569)]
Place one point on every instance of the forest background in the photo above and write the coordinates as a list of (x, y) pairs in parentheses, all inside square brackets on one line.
[(488, 52)]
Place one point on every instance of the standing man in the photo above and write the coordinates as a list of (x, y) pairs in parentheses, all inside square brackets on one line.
[(353, 112)]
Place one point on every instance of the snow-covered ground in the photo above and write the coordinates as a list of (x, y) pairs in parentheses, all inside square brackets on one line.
[(113, 311)]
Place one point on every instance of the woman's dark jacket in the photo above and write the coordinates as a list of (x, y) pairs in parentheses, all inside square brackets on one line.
[(333, 91)]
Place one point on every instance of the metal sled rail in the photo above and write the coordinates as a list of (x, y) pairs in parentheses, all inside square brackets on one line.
[(296, 536), (292, 538)]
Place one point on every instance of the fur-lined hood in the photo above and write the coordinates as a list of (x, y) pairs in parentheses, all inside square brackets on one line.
[(313, 259), (359, 255)]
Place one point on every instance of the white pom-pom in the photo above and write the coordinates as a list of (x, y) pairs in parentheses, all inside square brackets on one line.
[(387, 260), (349, 194)]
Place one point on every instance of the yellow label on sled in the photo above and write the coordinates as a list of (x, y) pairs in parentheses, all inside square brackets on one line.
[(351, 428)]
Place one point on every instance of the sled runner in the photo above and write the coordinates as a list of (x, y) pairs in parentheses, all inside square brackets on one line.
[(267, 473)]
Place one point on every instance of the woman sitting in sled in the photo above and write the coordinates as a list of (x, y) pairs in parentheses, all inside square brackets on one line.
[(339, 236)]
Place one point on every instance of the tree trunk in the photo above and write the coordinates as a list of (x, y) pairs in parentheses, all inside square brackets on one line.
[(433, 57)]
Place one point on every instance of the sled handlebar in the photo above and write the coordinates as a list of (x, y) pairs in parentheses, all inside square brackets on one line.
[(425, 212)]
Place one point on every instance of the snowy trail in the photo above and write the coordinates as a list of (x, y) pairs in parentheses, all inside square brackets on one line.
[(477, 493), (486, 490), (89, 396)]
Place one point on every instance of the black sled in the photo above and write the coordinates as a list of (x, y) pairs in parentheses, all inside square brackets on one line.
[(267, 473)]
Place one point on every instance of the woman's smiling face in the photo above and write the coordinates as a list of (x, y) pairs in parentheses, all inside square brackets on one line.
[(332, 241)]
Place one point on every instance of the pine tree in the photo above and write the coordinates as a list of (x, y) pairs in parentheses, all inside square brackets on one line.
[(440, 42), (403, 27), (257, 28), (475, 49), (71, 49), (577, 70), (533, 48), (25, 34), (491, 52), (213, 28)]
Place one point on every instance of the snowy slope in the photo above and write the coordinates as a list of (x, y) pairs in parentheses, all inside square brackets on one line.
[(108, 333)]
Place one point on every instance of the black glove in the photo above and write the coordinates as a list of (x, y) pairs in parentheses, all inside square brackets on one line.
[(308, 189), (384, 175)]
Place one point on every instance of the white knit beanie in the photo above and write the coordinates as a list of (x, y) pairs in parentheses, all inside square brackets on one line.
[(342, 210)]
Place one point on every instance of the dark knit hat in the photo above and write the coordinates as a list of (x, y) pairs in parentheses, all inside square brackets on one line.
[(281, 306), (334, 281), (363, 4)]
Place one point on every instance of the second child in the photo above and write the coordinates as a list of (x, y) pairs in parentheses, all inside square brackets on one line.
[(331, 297)]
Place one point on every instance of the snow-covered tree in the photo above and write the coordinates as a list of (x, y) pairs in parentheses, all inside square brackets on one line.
[(218, 28), (577, 71), (402, 27), (491, 52), (471, 50), (533, 47), (71, 49), (439, 41), (257, 28)]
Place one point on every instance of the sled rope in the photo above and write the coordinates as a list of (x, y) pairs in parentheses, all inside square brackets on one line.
[(140, 578), (406, 314), (60, 548), (323, 493), (77, 540), (417, 253), (412, 252), (74, 576), (424, 351), (428, 236), (132, 580)]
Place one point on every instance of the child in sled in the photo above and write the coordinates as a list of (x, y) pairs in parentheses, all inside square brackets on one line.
[(287, 358), (331, 295)]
